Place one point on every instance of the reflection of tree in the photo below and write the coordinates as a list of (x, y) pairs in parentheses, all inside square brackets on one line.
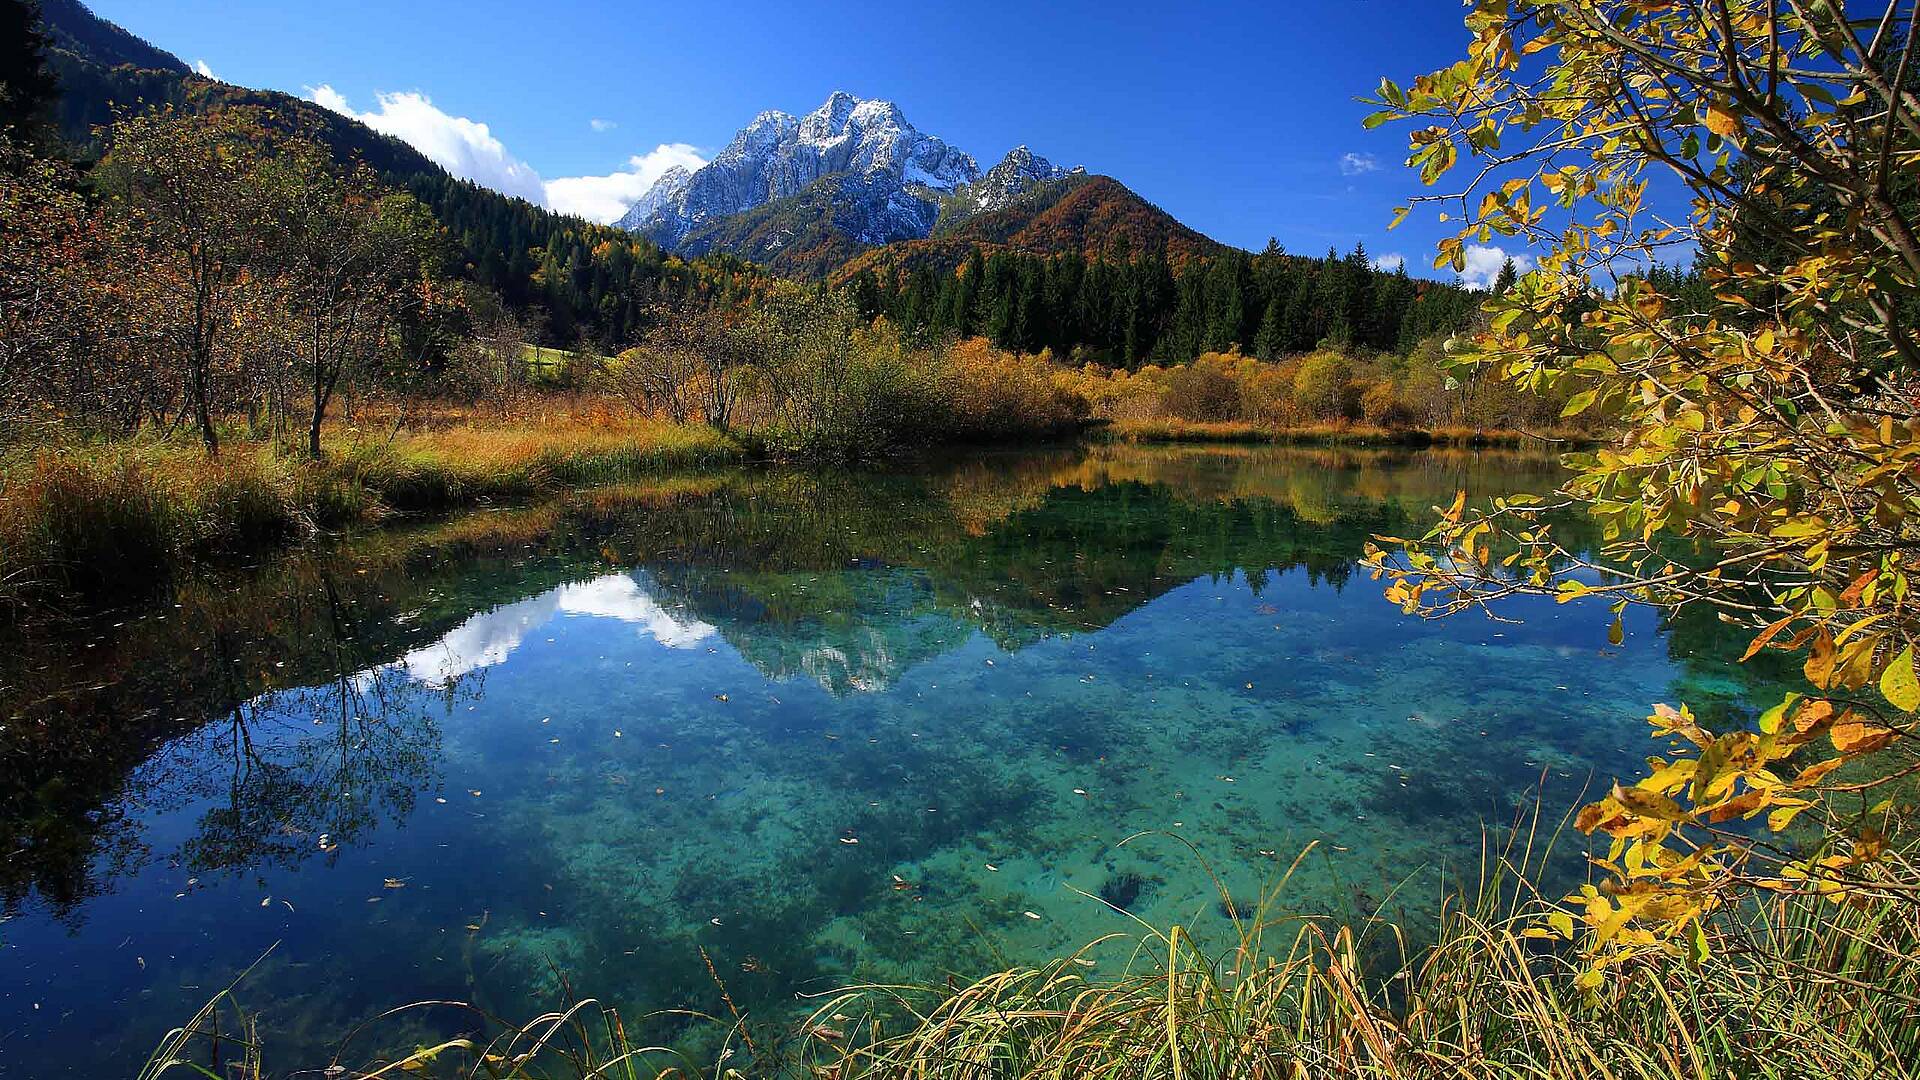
[(101, 724), (850, 579), (292, 773)]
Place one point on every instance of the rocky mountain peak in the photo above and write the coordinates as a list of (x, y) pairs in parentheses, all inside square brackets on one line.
[(777, 156), (664, 189), (1016, 174)]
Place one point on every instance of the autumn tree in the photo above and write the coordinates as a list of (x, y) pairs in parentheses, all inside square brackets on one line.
[(189, 188), (347, 259), (1766, 448), (691, 367), (45, 237)]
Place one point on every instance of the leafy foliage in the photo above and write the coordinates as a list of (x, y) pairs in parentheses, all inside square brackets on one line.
[(1765, 461)]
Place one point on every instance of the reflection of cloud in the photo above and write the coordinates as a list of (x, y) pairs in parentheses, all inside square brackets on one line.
[(619, 596), (490, 637)]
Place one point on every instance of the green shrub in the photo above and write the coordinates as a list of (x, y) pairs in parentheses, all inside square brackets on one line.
[(1323, 388)]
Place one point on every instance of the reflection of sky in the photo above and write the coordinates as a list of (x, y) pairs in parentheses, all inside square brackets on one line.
[(490, 637)]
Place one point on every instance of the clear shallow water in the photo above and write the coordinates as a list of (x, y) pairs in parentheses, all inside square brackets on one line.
[(825, 729)]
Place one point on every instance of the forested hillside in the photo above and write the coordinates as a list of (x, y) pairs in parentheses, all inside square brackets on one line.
[(566, 280), (1080, 265), (1129, 310)]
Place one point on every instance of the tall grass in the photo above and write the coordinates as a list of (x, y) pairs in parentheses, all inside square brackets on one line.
[(1791, 987), (102, 520), (467, 464), (1794, 986)]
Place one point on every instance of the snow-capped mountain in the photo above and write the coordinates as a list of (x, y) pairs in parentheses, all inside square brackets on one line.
[(667, 185), (1016, 175), (898, 173)]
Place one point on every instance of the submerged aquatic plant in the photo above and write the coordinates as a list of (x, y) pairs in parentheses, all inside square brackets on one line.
[(1121, 890)]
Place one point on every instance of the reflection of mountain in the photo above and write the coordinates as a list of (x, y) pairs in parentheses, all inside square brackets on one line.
[(846, 580), (490, 637), (898, 575), (847, 628)]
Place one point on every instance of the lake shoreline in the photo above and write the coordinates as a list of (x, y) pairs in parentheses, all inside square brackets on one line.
[(83, 522)]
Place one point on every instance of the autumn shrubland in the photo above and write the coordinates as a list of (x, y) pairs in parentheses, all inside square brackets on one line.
[(102, 519)]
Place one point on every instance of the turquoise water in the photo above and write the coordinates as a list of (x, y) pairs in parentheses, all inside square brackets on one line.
[(826, 729)]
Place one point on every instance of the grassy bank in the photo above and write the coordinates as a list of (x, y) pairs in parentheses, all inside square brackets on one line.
[(96, 519), (100, 519), (1789, 986), (1172, 430)]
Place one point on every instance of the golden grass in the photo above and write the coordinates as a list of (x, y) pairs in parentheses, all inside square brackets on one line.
[(99, 519)]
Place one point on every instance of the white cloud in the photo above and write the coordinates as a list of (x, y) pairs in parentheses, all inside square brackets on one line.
[(327, 97), (1355, 164), (463, 147), (598, 124), (1389, 262), (200, 67), (605, 198), (1483, 265), (468, 149)]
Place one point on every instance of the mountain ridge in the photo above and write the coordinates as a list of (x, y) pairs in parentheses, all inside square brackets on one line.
[(779, 156), (811, 196), (1090, 215)]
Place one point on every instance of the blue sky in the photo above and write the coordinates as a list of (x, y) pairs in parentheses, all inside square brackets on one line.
[(1240, 119)]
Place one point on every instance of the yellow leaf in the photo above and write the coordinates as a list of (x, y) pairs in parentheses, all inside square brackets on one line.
[(1855, 737), (1651, 804), (1721, 120), (1784, 816), (1898, 683)]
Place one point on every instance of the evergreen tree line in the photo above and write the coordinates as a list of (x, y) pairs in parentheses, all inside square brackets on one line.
[(577, 283), (1132, 311)]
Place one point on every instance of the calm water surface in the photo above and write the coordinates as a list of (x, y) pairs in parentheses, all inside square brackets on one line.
[(824, 728)]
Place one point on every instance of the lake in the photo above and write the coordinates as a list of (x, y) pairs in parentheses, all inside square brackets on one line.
[(812, 729)]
